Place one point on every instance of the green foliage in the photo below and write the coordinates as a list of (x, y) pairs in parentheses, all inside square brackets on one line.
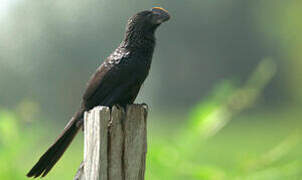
[(180, 159), (11, 145)]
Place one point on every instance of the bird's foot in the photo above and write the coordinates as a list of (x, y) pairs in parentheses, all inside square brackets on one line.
[(120, 107), (145, 106)]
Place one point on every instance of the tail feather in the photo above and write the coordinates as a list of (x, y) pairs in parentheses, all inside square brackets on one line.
[(55, 152)]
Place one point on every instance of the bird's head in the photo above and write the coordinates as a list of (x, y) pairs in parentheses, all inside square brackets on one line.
[(147, 21)]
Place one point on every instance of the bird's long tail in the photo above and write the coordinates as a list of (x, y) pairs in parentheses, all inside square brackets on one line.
[(57, 149)]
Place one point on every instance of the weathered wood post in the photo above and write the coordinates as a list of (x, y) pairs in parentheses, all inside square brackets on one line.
[(115, 144)]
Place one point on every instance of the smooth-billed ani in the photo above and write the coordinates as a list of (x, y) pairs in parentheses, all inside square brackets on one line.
[(117, 81)]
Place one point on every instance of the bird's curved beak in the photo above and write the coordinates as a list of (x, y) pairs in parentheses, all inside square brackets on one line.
[(162, 14)]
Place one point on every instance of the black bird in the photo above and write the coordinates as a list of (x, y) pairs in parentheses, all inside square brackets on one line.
[(117, 81)]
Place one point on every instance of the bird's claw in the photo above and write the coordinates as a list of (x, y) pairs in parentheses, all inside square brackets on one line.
[(119, 107), (145, 106)]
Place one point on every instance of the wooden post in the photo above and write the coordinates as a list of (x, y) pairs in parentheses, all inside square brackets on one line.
[(115, 144)]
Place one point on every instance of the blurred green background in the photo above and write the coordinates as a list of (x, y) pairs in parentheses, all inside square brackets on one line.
[(225, 88)]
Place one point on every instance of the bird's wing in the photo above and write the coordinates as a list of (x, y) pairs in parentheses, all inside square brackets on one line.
[(107, 79), (95, 81)]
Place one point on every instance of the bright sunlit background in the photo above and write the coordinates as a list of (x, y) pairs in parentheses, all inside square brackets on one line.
[(225, 88)]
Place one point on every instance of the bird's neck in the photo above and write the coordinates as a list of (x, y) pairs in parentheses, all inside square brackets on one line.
[(136, 40)]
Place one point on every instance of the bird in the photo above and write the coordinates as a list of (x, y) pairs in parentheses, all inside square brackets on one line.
[(116, 81)]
